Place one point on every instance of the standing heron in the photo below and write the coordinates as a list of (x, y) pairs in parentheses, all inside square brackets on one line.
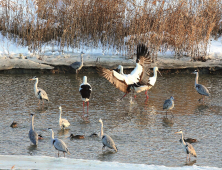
[(39, 93), (138, 77), (201, 89), (63, 123), (78, 65), (85, 90), (188, 148), (106, 139), (58, 144), (33, 136), (168, 104)]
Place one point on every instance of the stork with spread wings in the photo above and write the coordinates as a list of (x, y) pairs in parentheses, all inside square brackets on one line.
[(137, 80)]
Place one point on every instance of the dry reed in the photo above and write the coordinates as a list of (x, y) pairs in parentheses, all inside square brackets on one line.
[(184, 25)]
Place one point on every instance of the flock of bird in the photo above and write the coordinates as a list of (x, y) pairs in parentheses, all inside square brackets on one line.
[(137, 81)]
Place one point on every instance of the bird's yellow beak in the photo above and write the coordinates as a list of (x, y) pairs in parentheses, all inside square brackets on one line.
[(159, 72), (176, 132), (31, 79)]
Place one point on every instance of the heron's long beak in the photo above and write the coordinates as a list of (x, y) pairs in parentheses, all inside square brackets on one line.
[(177, 132), (159, 72), (31, 79)]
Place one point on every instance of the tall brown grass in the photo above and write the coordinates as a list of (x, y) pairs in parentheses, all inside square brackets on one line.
[(183, 25)]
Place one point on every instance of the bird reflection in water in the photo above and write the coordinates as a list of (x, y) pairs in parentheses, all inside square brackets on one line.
[(31, 149), (62, 132), (168, 122), (190, 163)]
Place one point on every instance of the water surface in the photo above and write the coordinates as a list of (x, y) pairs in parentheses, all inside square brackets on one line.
[(140, 129)]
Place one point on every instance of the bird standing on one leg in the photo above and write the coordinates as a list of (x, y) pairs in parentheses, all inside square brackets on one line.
[(201, 89), (39, 93), (188, 148), (168, 104), (106, 139), (85, 90), (58, 144)]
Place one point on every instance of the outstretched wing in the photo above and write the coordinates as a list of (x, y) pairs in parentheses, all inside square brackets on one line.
[(143, 55), (108, 74), (144, 79)]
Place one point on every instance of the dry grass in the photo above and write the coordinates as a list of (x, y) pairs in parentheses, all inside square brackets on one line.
[(183, 25)]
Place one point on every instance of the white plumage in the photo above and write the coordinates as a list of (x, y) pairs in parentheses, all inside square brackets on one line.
[(63, 123)]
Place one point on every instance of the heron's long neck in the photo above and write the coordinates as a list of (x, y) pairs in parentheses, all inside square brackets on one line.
[(60, 114), (52, 135), (182, 139), (81, 59), (32, 123), (35, 86), (101, 130), (154, 74), (196, 80)]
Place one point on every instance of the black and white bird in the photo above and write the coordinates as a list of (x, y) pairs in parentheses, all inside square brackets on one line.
[(107, 141), (58, 143), (85, 90), (63, 123), (188, 148), (33, 136), (39, 93), (201, 89), (78, 65), (137, 78), (168, 104)]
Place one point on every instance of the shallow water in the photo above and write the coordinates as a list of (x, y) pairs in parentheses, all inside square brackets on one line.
[(140, 129)]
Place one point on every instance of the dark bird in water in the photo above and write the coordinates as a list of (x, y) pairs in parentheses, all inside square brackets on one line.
[(40, 137), (14, 125), (189, 140), (85, 90), (201, 89), (77, 136)]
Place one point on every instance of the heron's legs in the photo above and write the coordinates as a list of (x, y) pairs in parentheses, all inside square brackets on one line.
[(58, 153), (64, 154), (103, 147)]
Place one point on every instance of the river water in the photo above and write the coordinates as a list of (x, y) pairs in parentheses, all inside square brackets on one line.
[(140, 128)]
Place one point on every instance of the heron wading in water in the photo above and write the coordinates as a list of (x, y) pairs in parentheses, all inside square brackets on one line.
[(168, 104), (201, 89), (63, 123), (107, 141), (39, 93), (33, 136), (188, 148), (58, 143)]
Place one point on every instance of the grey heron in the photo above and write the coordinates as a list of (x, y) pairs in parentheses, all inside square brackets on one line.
[(58, 144), (63, 123), (201, 89), (168, 104), (138, 77), (33, 136), (39, 93), (85, 90), (107, 141), (78, 65), (188, 148)]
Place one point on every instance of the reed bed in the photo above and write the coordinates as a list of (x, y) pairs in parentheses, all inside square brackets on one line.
[(184, 25)]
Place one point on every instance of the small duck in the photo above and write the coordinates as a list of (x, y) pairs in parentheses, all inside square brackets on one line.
[(14, 125), (40, 137), (76, 136), (189, 140)]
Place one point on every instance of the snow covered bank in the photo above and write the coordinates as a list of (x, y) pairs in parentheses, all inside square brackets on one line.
[(45, 162)]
